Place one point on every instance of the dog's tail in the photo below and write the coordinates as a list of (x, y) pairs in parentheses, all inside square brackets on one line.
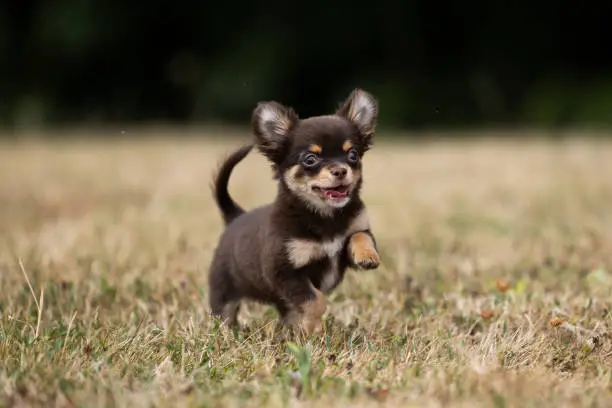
[(229, 209)]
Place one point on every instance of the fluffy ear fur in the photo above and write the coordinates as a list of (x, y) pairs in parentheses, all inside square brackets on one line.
[(271, 123), (361, 108)]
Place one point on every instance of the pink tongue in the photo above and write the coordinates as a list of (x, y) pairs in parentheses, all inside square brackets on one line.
[(334, 194)]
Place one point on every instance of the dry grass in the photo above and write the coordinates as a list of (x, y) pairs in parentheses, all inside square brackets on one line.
[(495, 290)]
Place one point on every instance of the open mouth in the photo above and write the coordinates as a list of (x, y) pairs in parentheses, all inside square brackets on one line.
[(332, 193)]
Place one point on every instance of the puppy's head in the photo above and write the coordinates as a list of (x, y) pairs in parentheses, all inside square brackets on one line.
[(319, 158)]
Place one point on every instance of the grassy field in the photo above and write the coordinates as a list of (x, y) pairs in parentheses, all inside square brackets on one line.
[(495, 289)]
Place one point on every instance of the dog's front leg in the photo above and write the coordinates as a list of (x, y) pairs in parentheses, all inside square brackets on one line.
[(362, 250), (305, 304)]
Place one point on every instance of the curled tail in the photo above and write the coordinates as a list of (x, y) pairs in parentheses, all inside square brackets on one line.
[(229, 209)]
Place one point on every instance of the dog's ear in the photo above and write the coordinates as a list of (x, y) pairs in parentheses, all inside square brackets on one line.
[(361, 108), (271, 123)]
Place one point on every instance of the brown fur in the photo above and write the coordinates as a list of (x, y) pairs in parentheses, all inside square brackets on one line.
[(293, 251), (363, 249), (313, 311)]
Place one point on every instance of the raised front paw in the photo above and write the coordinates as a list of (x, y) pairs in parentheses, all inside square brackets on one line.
[(364, 253), (366, 258)]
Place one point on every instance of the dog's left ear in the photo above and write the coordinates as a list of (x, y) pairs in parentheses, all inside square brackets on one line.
[(361, 108), (271, 123)]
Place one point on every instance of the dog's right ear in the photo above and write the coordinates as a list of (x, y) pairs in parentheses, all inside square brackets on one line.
[(361, 108), (271, 123)]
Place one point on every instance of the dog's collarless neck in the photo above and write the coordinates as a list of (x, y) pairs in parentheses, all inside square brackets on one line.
[(301, 220)]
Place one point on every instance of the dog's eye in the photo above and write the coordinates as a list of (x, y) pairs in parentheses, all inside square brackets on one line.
[(310, 160), (353, 156)]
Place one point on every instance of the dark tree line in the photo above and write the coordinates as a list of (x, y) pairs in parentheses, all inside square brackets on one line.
[(430, 62)]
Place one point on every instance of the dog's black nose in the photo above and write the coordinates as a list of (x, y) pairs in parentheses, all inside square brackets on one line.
[(338, 172)]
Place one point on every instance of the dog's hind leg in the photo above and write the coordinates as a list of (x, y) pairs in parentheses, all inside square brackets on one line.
[(225, 309), (223, 297), (229, 313)]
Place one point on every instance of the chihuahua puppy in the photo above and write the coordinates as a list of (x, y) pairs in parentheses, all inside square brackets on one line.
[(294, 251)]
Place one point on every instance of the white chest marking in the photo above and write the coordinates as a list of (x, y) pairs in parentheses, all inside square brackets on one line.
[(303, 251), (333, 247)]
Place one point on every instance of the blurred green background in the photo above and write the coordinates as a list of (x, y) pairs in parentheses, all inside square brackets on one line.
[(431, 63)]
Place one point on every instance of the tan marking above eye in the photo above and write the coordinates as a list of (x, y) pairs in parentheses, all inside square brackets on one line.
[(315, 148), (347, 146)]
